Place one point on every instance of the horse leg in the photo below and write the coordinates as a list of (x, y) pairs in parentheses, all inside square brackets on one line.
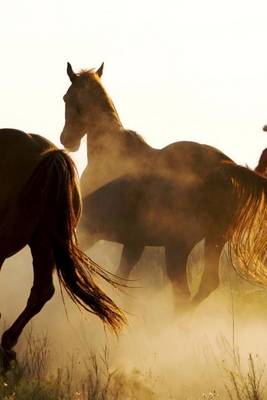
[(131, 254), (42, 291), (2, 259), (176, 259), (210, 277)]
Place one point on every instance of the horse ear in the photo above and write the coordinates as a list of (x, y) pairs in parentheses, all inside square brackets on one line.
[(70, 73), (100, 70)]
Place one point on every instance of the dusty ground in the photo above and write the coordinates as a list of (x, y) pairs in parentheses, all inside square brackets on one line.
[(167, 352)]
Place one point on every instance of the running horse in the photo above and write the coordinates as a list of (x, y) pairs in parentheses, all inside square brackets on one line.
[(172, 197), (40, 206), (262, 163)]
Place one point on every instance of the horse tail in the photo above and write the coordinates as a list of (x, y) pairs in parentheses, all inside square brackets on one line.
[(61, 210), (248, 230)]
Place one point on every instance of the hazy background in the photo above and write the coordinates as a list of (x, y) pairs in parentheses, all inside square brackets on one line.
[(176, 70)]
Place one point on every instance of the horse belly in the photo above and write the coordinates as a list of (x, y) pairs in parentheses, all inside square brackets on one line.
[(151, 211), (172, 212), (165, 226)]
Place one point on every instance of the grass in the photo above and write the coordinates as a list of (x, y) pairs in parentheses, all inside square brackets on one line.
[(245, 382), (94, 379), (31, 378)]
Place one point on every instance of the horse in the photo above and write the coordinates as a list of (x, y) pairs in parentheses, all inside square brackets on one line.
[(262, 163), (261, 168), (172, 197), (40, 205)]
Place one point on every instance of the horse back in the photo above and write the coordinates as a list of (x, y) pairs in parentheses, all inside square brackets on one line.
[(191, 156), (19, 156)]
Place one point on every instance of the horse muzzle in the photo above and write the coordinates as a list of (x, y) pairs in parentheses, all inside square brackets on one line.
[(69, 144)]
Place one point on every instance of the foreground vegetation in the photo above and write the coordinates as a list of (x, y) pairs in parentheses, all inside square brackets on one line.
[(32, 378)]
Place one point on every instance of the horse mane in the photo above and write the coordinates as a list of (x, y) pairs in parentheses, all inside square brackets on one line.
[(104, 100), (134, 137)]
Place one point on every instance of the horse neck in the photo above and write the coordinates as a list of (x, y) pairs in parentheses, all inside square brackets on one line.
[(108, 140), (104, 136)]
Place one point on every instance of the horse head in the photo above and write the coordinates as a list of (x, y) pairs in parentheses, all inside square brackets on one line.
[(82, 102)]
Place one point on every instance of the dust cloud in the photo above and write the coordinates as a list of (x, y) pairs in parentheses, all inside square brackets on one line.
[(172, 354)]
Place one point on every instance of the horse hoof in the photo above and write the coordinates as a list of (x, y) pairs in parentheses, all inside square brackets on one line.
[(7, 358)]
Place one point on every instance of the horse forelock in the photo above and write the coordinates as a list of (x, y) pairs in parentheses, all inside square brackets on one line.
[(88, 73), (90, 77)]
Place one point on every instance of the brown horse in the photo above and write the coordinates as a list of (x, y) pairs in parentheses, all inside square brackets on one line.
[(262, 163), (173, 197), (40, 206)]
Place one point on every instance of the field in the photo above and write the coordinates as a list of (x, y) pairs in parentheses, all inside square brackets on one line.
[(216, 352)]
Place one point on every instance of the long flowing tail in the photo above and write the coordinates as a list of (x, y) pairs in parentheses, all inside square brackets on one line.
[(56, 173), (247, 234)]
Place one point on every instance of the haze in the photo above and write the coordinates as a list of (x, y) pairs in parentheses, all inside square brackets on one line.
[(182, 70)]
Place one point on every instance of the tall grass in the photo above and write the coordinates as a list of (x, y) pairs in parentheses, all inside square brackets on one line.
[(243, 381), (31, 378), (94, 379)]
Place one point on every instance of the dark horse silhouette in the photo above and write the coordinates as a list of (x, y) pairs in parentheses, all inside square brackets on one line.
[(262, 163), (40, 206), (173, 197)]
